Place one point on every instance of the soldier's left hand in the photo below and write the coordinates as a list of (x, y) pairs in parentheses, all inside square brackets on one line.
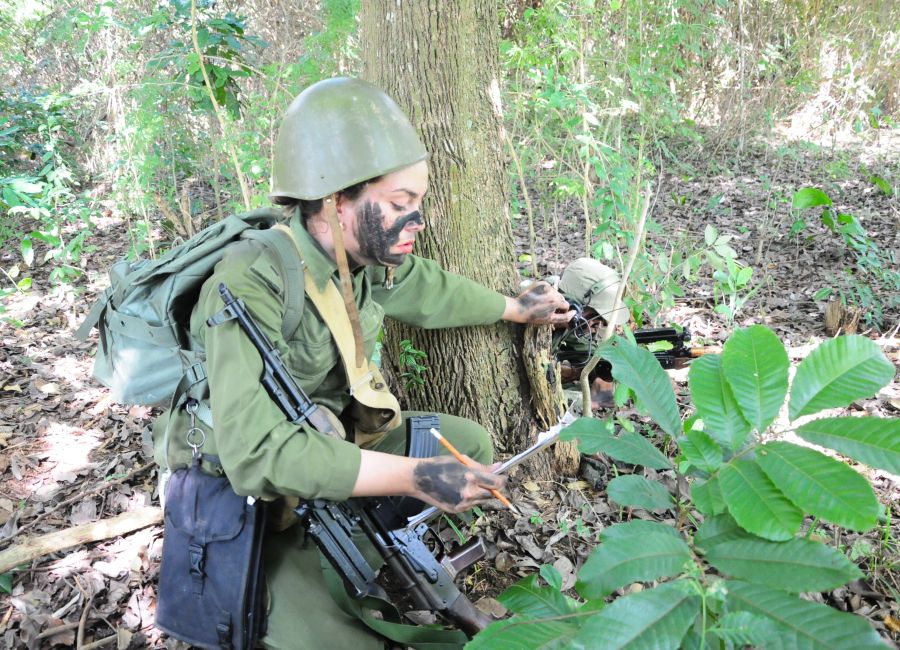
[(539, 304)]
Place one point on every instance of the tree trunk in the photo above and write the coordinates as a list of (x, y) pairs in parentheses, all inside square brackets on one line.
[(439, 62)]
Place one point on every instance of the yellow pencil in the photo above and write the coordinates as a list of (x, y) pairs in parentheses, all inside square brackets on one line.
[(458, 456)]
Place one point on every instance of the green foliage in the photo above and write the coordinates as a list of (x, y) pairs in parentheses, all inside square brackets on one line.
[(874, 283), (38, 199), (755, 494), (412, 367), (637, 368), (655, 619), (632, 555), (756, 368), (870, 440), (715, 403), (800, 623), (638, 492), (836, 373), (819, 485)]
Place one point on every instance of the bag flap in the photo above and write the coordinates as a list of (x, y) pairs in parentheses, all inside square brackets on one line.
[(203, 506)]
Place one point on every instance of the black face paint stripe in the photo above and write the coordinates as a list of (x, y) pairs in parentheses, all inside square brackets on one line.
[(375, 241)]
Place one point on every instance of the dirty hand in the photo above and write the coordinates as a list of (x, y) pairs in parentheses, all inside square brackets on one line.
[(451, 486), (539, 304)]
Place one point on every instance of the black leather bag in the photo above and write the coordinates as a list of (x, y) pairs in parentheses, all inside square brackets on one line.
[(211, 587)]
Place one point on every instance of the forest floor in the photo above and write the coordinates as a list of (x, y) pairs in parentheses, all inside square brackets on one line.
[(69, 456)]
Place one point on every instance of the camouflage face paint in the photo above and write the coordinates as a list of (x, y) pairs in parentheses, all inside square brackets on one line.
[(375, 241)]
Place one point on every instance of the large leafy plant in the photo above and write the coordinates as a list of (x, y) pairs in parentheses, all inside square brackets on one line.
[(737, 574)]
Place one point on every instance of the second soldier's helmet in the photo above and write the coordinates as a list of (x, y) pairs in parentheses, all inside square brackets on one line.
[(593, 284), (337, 133)]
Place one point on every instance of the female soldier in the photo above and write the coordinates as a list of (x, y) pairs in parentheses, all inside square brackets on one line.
[(351, 174)]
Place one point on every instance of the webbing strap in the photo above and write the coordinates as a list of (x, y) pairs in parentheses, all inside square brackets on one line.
[(291, 274), (94, 314), (390, 627), (367, 385)]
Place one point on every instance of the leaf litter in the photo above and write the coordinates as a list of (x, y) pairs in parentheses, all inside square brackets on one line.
[(68, 455)]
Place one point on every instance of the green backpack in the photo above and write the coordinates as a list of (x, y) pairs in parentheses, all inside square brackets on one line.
[(146, 352)]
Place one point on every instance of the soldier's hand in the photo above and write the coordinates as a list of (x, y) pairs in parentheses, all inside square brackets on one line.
[(451, 486), (539, 304)]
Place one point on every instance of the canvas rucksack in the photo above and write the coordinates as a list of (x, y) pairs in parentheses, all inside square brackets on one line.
[(146, 353)]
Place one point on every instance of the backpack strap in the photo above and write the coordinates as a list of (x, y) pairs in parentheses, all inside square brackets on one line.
[(291, 265)]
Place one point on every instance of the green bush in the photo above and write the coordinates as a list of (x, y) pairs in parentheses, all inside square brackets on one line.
[(736, 575)]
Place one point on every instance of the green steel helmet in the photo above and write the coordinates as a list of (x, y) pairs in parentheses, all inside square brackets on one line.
[(593, 284), (337, 133)]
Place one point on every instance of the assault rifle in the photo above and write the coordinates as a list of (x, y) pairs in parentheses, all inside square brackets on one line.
[(425, 575), (575, 346)]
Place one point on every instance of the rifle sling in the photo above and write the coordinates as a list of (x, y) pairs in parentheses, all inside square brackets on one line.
[(421, 638)]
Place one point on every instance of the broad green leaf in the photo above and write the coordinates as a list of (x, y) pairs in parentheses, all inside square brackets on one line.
[(803, 625), (633, 448), (710, 234), (526, 597), (524, 633), (714, 401), (756, 504), (635, 529), (819, 485), (756, 368), (637, 492), (655, 619), (809, 197), (6, 582), (621, 560), (838, 372), (743, 628), (551, 576), (701, 451), (590, 433), (639, 370), (718, 530), (882, 185), (795, 565), (869, 440), (707, 496), (27, 251)]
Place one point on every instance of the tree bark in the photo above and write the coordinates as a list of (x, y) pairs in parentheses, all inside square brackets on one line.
[(439, 61)]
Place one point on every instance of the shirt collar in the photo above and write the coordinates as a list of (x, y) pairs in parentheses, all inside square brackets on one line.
[(315, 260)]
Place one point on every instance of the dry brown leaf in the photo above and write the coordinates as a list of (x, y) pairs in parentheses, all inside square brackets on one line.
[(893, 624), (531, 486)]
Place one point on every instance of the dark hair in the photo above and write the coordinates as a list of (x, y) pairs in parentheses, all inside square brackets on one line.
[(313, 207)]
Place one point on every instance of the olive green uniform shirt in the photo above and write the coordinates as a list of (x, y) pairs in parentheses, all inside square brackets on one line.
[(262, 453)]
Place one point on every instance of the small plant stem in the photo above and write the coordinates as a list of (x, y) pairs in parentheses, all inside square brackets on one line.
[(588, 187), (528, 208), (245, 190), (812, 528), (610, 328), (12, 281)]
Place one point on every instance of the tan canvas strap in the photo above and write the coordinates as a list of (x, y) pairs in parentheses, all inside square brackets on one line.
[(367, 384)]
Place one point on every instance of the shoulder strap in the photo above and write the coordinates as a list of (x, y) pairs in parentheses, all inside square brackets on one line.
[(281, 243), (367, 385)]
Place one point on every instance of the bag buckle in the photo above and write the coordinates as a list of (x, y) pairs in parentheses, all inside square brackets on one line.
[(197, 557)]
